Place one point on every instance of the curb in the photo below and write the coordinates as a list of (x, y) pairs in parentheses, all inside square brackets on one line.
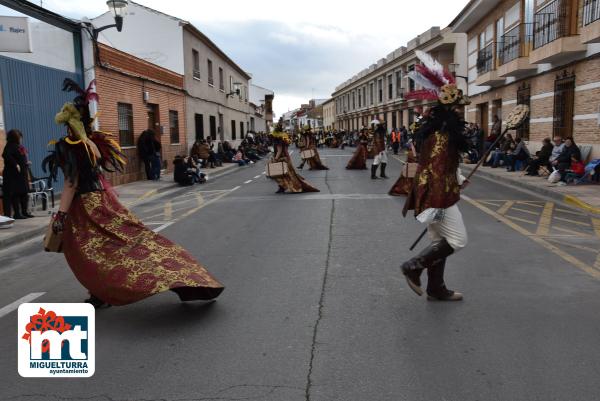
[(152, 195), (568, 199)]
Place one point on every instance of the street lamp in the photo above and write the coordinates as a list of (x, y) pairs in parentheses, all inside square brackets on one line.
[(236, 89), (118, 9), (453, 67)]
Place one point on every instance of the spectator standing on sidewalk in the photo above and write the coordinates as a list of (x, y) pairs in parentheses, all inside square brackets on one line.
[(149, 148), (15, 185)]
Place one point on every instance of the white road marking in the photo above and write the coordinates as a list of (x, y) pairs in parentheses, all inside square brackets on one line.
[(15, 305), (236, 188), (258, 176), (264, 172), (247, 182), (159, 229)]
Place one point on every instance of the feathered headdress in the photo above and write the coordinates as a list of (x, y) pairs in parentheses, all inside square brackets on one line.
[(436, 81)]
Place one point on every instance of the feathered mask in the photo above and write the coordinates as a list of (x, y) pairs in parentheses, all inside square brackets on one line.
[(437, 82), (69, 115)]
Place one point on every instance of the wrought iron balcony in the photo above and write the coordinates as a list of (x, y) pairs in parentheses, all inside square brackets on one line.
[(591, 11), (515, 43), (551, 23), (485, 59)]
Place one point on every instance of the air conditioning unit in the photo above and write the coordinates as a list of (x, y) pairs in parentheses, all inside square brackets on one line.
[(146, 96)]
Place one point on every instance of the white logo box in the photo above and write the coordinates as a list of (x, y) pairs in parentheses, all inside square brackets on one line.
[(76, 358)]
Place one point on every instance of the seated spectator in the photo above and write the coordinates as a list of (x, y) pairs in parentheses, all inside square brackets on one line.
[(569, 153), (499, 155), (181, 175), (239, 158), (557, 149), (542, 158), (519, 153)]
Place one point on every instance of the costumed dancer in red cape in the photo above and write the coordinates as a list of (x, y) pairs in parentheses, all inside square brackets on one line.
[(438, 182), (292, 181), (110, 251), (359, 158), (404, 183), (309, 140)]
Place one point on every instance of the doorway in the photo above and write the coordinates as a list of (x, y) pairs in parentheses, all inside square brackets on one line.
[(483, 118), (153, 117), (213, 127), (221, 133)]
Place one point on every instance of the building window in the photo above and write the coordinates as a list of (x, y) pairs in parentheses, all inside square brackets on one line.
[(174, 126), (390, 87), (125, 116), (564, 102), (359, 98), (380, 90), (371, 94), (199, 123), (241, 130), (233, 134), (364, 95), (411, 83), (196, 58), (221, 79), (399, 87), (210, 72), (353, 100)]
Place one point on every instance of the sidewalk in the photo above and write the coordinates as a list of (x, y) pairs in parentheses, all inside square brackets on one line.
[(131, 194), (586, 197)]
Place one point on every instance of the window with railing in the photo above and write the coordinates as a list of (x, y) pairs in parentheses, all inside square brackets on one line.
[(524, 97), (485, 59), (515, 43), (564, 104), (591, 11), (550, 23)]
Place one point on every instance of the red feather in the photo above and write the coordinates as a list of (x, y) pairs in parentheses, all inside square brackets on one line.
[(422, 94)]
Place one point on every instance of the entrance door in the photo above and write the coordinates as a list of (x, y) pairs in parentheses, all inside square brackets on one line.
[(213, 127), (199, 122), (482, 111), (153, 117)]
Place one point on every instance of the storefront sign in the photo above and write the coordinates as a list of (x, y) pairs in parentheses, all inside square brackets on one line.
[(14, 35)]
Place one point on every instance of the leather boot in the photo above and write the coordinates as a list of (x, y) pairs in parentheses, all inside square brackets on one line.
[(374, 171), (413, 267), (383, 165), (436, 288)]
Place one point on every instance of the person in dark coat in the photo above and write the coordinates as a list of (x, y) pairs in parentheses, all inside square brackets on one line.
[(563, 162), (149, 151), (15, 185), (542, 157)]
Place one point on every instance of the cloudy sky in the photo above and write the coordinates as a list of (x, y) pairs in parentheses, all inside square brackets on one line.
[(300, 49)]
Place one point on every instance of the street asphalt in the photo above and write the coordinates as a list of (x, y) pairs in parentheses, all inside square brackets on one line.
[(316, 309)]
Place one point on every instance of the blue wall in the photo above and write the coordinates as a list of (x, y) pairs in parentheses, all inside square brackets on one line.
[(32, 95)]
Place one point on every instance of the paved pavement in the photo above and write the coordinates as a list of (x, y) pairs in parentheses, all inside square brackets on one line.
[(316, 308)]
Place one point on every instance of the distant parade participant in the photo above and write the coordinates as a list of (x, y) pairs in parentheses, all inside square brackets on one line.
[(380, 153), (438, 182), (359, 158), (404, 183), (309, 140), (110, 251), (292, 181)]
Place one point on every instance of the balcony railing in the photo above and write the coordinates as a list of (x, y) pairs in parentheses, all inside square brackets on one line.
[(485, 59), (591, 11), (550, 23), (515, 43)]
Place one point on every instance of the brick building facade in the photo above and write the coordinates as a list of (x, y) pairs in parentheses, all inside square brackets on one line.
[(542, 53), (134, 96)]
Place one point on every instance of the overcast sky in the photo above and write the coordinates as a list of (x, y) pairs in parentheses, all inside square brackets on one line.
[(299, 49)]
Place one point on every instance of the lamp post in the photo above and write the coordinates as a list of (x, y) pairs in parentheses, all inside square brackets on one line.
[(453, 67), (118, 9)]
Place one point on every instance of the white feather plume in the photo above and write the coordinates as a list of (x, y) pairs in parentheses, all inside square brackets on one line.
[(424, 82), (432, 64)]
